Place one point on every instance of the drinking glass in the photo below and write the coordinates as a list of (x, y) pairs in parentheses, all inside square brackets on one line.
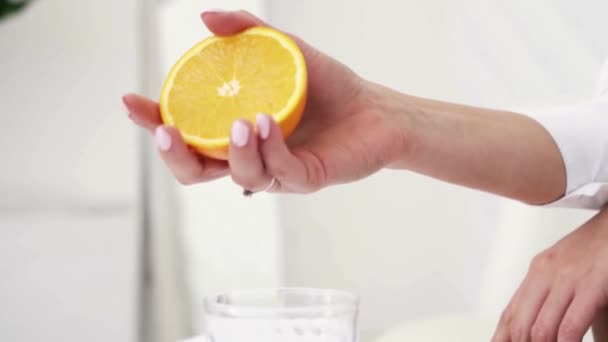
[(280, 315)]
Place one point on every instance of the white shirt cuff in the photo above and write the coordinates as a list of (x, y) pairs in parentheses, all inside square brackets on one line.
[(581, 134)]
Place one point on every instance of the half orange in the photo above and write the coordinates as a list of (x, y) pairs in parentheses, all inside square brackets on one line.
[(223, 79)]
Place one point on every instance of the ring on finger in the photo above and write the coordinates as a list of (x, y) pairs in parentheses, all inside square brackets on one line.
[(249, 193)]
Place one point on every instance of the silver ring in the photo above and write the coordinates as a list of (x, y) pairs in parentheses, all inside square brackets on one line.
[(248, 193)]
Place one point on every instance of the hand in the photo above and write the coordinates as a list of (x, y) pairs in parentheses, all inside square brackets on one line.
[(340, 139), (600, 327), (564, 291)]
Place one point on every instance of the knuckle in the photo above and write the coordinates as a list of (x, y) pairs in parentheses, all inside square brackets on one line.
[(505, 318), (570, 330), (541, 332), (184, 181), (277, 170), (542, 261), (315, 168), (518, 332), (588, 284), (591, 274), (566, 276), (188, 178)]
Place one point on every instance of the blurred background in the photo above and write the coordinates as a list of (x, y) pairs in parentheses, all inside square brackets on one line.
[(98, 243)]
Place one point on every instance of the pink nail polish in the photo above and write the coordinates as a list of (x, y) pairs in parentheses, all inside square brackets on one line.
[(240, 133), (263, 123), (163, 139), (124, 103)]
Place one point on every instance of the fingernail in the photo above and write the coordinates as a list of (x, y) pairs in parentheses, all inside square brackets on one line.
[(163, 139), (214, 11), (124, 103), (263, 123), (240, 133)]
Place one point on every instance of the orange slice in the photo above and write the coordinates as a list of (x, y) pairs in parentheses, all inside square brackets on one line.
[(222, 79)]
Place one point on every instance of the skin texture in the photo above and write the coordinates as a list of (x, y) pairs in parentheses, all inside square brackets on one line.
[(491, 150), (352, 128)]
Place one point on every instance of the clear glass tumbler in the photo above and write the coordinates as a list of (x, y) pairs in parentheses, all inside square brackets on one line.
[(280, 315)]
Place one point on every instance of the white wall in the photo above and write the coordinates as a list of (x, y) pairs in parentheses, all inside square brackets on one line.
[(68, 277), (412, 246), (64, 68), (68, 179)]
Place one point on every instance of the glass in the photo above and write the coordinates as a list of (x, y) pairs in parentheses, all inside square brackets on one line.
[(281, 315)]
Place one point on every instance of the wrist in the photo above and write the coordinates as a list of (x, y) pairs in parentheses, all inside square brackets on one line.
[(490, 150), (398, 114)]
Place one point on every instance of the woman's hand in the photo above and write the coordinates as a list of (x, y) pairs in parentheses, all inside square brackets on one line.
[(600, 327), (351, 128), (564, 292), (340, 138)]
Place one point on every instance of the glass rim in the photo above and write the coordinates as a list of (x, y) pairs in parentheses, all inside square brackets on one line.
[(346, 302)]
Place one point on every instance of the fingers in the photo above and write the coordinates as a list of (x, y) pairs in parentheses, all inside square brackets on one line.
[(225, 23), (253, 165), (144, 112), (580, 315), (531, 300), (303, 171), (562, 315), (256, 160), (502, 333), (550, 316), (246, 165), (187, 166), (600, 326)]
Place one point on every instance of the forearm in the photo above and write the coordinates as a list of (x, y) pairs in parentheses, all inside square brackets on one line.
[(495, 151)]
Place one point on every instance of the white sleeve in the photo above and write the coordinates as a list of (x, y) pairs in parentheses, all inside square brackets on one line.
[(581, 133)]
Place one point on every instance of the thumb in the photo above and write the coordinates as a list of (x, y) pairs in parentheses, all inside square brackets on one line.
[(226, 23)]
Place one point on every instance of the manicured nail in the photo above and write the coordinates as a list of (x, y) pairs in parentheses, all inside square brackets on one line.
[(214, 11), (240, 133), (124, 103), (163, 139), (263, 123)]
